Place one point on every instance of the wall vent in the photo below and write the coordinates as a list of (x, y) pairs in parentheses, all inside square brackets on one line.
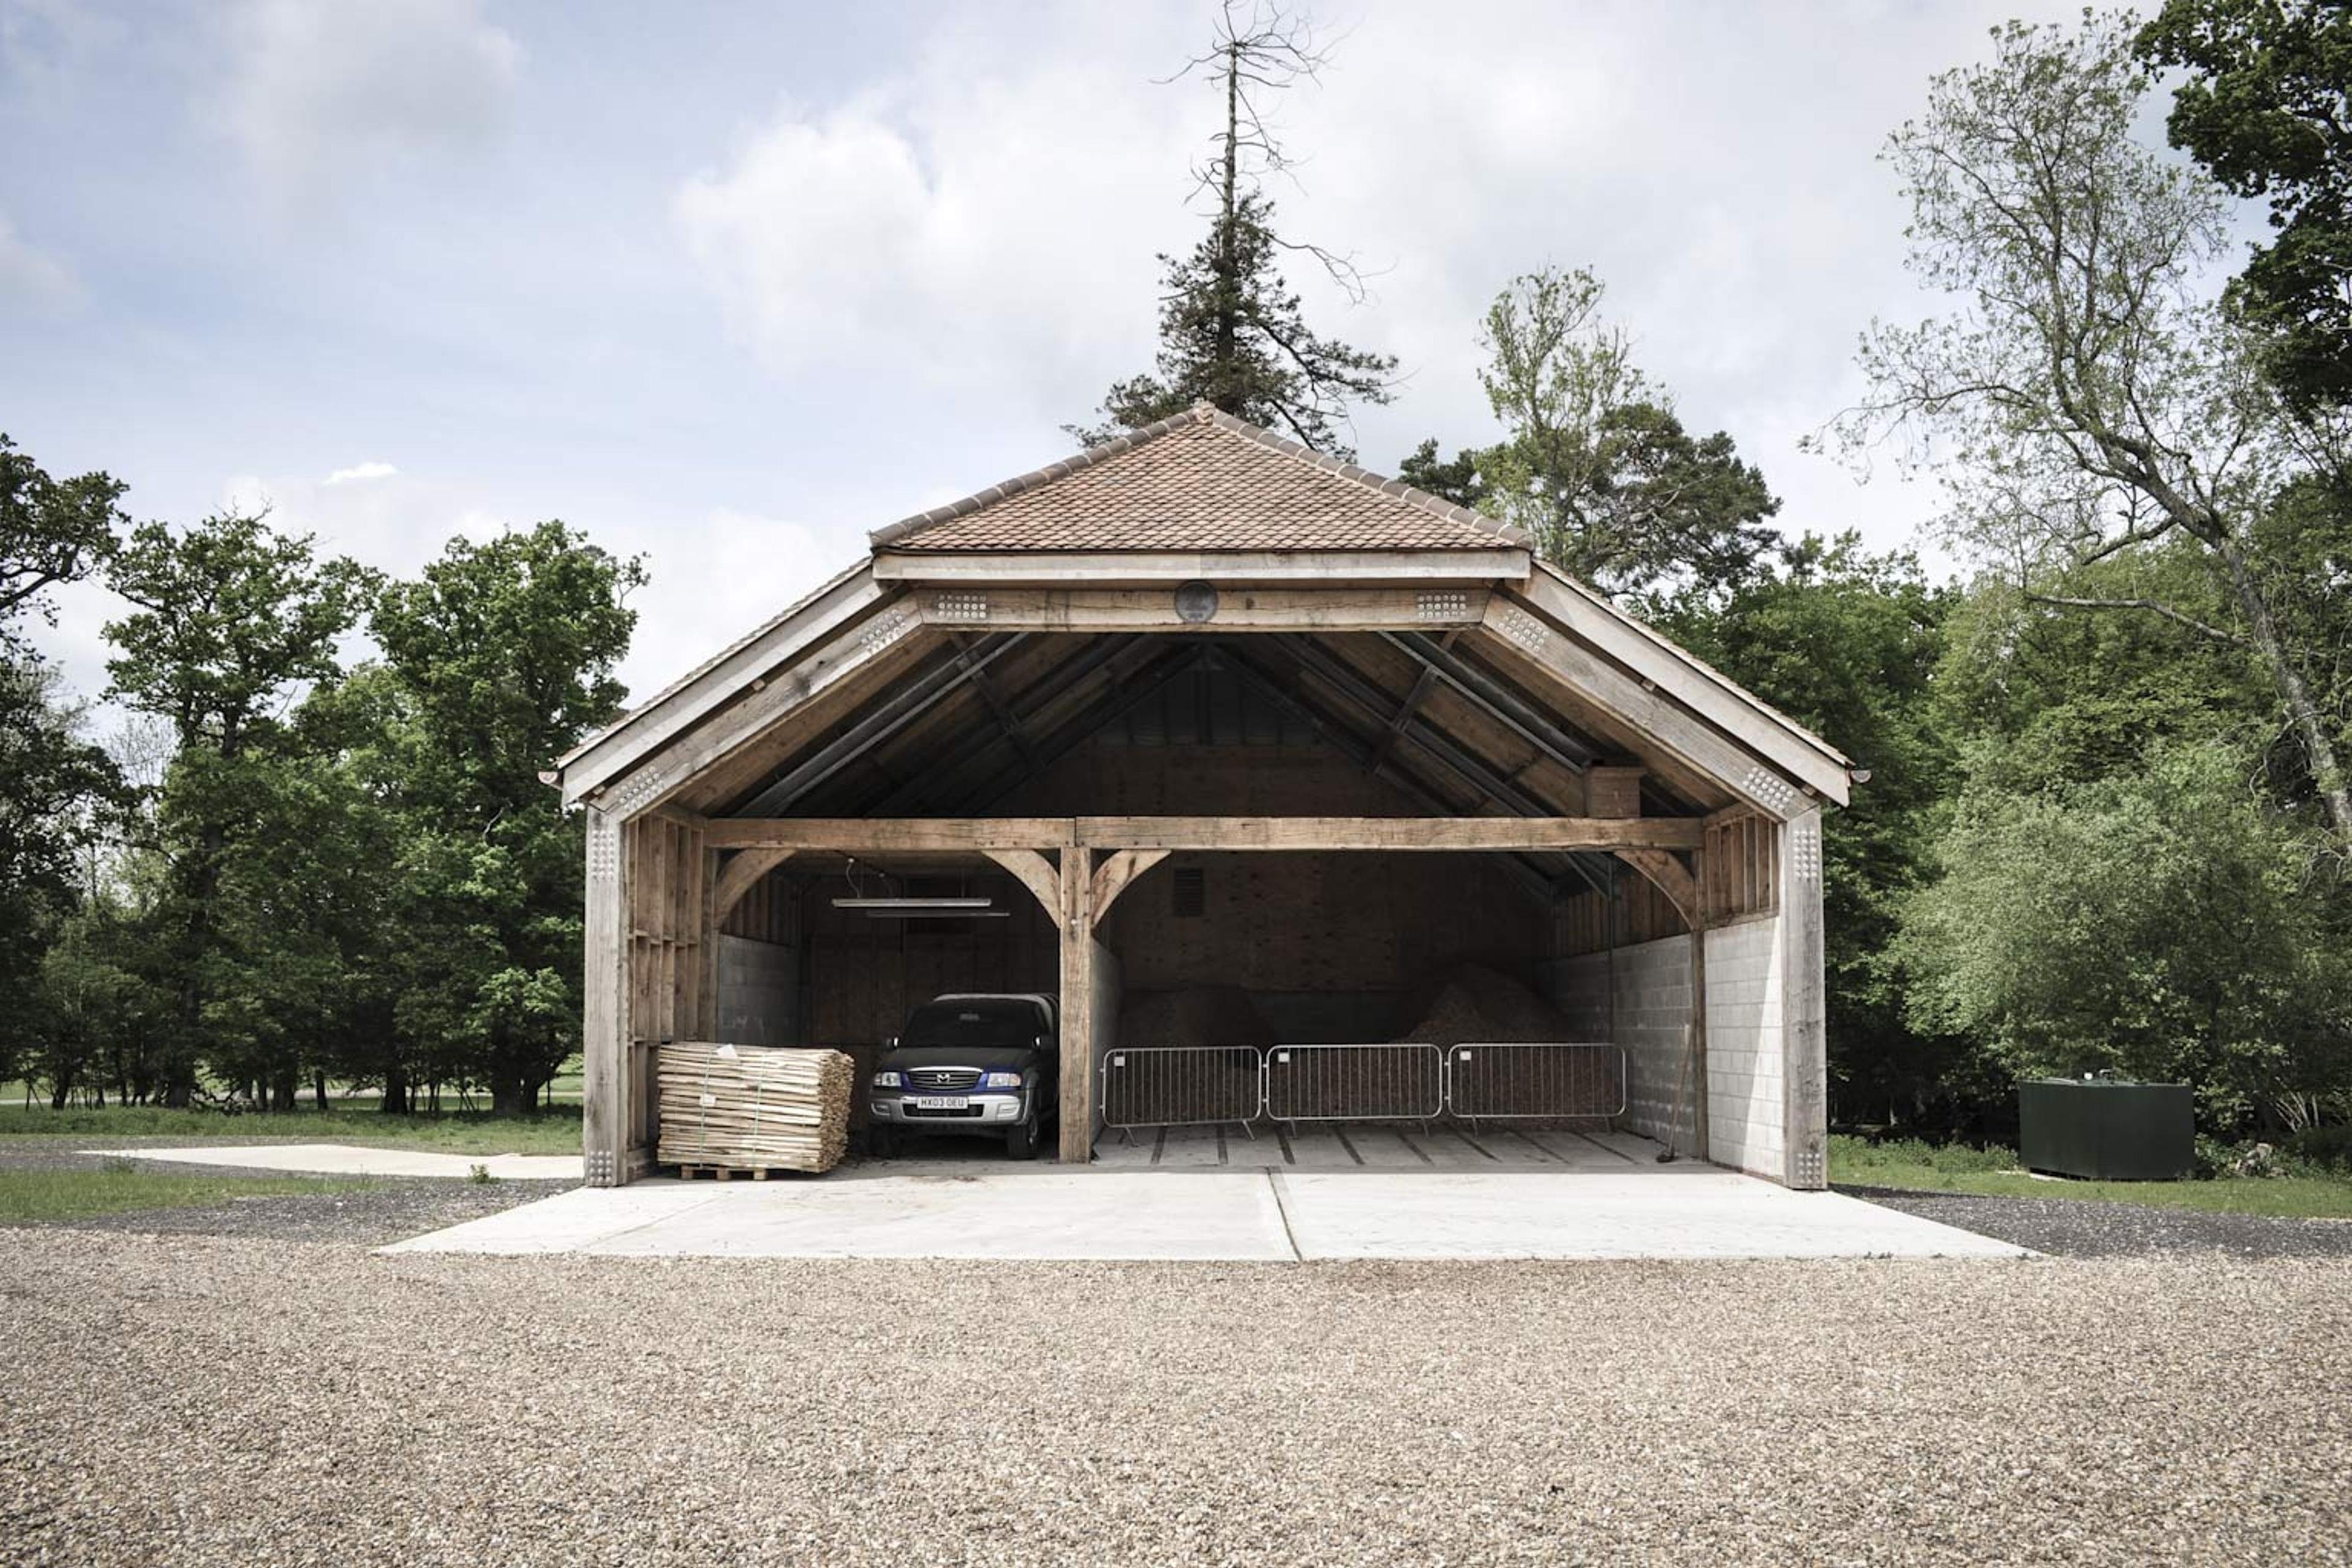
[(1188, 894)]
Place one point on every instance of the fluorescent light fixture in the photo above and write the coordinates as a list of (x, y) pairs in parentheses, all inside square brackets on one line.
[(914, 906)]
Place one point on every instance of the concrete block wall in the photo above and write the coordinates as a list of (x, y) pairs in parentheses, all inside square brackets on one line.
[(1652, 1014), (1746, 1107)]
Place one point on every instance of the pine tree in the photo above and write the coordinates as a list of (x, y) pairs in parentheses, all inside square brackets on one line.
[(1231, 330)]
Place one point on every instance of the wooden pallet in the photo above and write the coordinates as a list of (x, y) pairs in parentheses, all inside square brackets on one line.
[(732, 1173)]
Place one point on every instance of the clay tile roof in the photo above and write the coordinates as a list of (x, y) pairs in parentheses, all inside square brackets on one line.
[(1200, 482)]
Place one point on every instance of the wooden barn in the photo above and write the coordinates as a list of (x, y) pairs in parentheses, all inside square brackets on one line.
[(1201, 712)]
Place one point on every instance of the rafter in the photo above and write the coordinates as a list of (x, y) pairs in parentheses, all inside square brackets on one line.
[(1496, 700), (917, 697), (1026, 705)]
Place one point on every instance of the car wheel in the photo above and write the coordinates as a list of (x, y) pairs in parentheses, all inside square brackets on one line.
[(1022, 1142), (881, 1141)]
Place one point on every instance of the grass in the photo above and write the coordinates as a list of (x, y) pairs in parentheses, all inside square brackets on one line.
[(1994, 1172), (555, 1131), (26, 1196)]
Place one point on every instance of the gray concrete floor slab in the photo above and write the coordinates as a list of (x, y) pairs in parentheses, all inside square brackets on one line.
[(1290, 1213)]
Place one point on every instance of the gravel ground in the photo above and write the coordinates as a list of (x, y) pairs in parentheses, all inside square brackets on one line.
[(382, 1211), (2080, 1227), (195, 1400)]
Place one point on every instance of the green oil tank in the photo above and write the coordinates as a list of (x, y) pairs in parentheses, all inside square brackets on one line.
[(2107, 1129)]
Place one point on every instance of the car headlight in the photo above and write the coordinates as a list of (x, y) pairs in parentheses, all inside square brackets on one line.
[(886, 1080), (999, 1080)]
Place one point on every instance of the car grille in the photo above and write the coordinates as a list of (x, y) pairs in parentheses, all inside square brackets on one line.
[(943, 1078)]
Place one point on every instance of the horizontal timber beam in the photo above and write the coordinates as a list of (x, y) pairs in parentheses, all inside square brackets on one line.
[(880, 834), (1236, 609), (1040, 568), (1505, 834)]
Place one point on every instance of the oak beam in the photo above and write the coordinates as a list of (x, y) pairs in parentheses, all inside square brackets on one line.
[(882, 834), (1513, 632), (1036, 874), (604, 1011), (1805, 1017), (1388, 833), (1668, 874), (1492, 696), (1117, 872), (1342, 739), (1347, 609), (1103, 568), (917, 697), (1078, 928), (741, 873)]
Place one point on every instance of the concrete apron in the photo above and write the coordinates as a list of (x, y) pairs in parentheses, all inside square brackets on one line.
[(968, 1211)]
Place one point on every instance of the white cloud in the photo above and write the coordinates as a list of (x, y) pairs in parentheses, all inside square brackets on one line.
[(984, 223), (32, 281), (360, 472), (316, 85)]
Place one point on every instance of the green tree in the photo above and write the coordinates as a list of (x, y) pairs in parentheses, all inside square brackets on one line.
[(1232, 331), (2084, 402), (2267, 110), (231, 621), (2162, 922), (51, 531), (1457, 478), (1594, 464), (503, 655), (55, 788), (1850, 644)]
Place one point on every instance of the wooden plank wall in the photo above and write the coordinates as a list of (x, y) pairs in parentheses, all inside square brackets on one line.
[(1742, 863), (768, 913), (666, 878), (1581, 924)]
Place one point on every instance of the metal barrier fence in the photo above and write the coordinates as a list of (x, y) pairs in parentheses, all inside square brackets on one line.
[(1189, 1086), (1499, 1081), (1355, 1083), (1183, 1085)]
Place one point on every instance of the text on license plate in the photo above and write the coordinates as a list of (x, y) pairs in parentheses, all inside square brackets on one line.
[(942, 1103)]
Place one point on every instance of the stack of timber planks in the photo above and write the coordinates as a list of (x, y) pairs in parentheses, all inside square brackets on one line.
[(753, 1107)]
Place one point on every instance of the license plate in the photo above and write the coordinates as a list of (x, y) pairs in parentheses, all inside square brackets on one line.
[(942, 1103)]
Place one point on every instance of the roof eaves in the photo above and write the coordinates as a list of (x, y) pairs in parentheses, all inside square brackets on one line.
[(591, 742), (1675, 650)]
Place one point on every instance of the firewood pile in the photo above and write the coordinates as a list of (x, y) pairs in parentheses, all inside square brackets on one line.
[(753, 1107)]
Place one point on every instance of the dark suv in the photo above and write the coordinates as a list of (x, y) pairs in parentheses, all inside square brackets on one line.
[(969, 1064)]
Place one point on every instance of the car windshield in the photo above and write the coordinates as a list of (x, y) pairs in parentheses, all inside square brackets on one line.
[(974, 1023)]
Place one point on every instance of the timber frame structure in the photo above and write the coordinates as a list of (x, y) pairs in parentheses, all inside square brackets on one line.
[(1503, 710)]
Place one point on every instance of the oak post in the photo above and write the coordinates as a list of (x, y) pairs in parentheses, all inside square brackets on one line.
[(1804, 1017), (604, 1021), (1077, 1005)]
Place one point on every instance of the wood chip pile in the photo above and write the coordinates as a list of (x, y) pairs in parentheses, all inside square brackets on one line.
[(753, 1107), (1479, 1004)]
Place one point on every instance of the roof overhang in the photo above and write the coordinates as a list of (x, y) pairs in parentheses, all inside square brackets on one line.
[(1122, 568)]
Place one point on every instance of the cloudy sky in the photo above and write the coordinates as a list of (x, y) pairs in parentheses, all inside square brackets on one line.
[(729, 284)]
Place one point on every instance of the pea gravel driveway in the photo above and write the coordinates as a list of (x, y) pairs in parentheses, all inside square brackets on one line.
[(233, 1401)]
